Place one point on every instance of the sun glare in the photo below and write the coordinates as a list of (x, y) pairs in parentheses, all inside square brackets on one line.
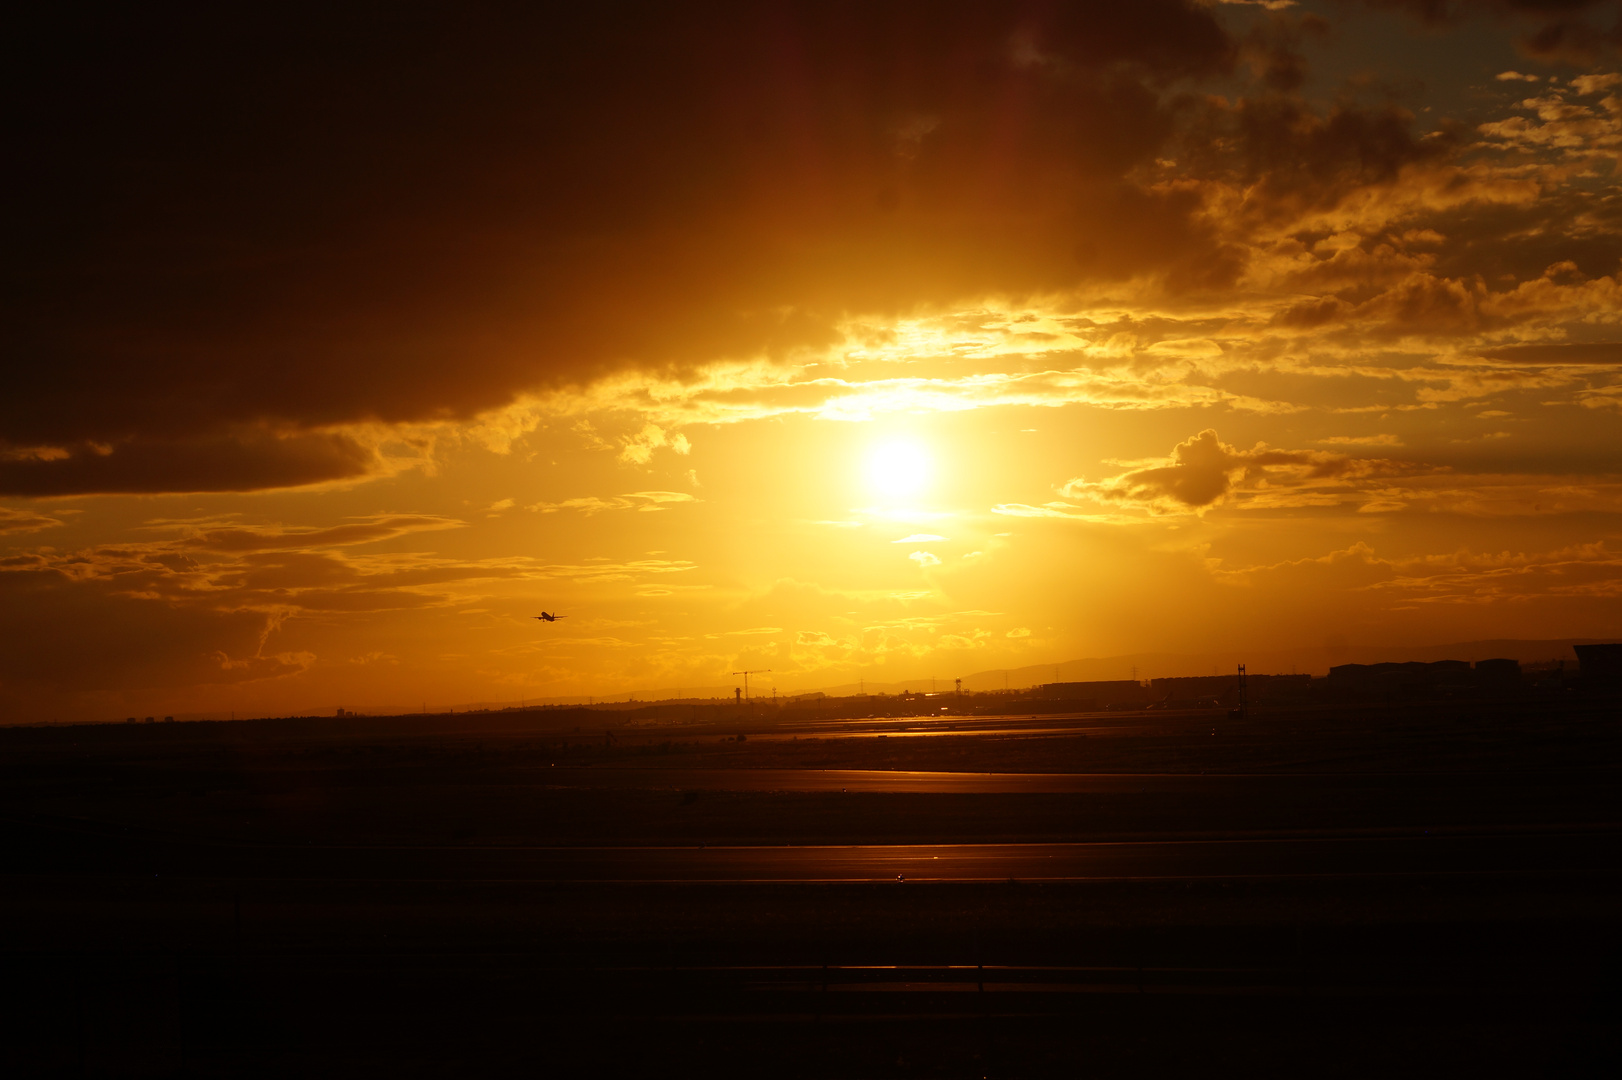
[(898, 469)]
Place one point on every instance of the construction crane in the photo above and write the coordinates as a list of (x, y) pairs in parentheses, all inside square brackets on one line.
[(746, 674)]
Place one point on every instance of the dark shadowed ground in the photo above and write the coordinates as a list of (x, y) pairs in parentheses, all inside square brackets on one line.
[(1415, 891)]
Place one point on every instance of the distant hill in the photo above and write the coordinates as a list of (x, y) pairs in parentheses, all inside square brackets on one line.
[(1161, 665), (1315, 660), (1153, 665)]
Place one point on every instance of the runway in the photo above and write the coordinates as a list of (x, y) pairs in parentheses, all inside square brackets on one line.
[(1358, 856), (1553, 852), (862, 780), (1029, 783)]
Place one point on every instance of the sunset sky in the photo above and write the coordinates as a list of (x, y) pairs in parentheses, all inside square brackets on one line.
[(867, 340)]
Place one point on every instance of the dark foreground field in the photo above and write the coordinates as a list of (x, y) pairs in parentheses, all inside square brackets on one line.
[(1386, 892)]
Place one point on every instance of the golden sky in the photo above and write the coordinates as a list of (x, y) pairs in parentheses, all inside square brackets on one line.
[(879, 341)]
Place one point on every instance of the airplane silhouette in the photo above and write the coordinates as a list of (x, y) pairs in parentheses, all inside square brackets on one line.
[(548, 617)]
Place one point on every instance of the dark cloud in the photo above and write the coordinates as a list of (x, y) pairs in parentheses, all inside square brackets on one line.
[(205, 607), (228, 229), (1601, 353), (1580, 31), (1315, 313), (1298, 160), (1203, 470), (1440, 12), (1273, 48), (1519, 241), (89, 636), (241, 460)]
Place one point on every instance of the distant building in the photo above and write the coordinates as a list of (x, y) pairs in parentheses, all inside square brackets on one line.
[(1411, 679), (1601, 664), (1440, 678), (1498, 676)]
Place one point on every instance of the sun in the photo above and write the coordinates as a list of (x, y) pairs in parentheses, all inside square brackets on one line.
[(899, 469)]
